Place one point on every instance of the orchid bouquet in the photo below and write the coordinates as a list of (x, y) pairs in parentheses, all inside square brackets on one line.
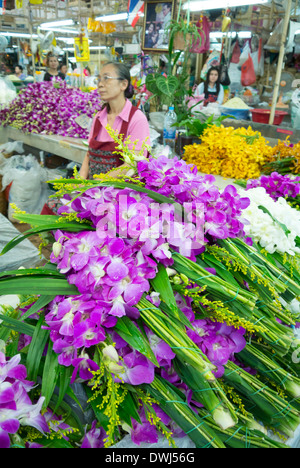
[(51, 108), (157, 303)]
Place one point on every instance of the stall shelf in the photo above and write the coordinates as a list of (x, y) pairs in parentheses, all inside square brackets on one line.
[(69, 148)]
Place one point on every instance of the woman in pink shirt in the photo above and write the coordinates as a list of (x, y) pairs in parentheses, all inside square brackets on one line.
[(118, 112)]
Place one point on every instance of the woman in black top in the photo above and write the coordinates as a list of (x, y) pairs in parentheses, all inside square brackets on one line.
[(52, 64)]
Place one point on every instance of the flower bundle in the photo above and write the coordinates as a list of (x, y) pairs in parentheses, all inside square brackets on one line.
[(277, 185), (51, 108), (156, 331), (274, 224), (236, 153), (283, 158)]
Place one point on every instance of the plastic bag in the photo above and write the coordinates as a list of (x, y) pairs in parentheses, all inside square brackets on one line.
[(274, 40), (12, 147), (28, 188), (24, 254), (224, 76), (245, 53), (213, 60), (181, 442), (248, 76), (200, 46), (7, 91), (236, 53)]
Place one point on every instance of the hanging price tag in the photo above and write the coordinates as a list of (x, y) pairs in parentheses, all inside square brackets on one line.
[(83, 121)]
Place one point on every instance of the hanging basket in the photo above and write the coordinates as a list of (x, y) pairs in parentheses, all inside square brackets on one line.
[(182, 42)]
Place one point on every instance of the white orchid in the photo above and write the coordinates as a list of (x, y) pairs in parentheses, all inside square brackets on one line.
[(268, 220)]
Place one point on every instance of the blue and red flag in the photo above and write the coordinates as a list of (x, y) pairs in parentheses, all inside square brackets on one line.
[(2, 6), (134, 8)]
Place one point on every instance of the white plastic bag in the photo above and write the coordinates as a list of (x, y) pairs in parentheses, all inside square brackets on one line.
[(28, 190), (10, 147), (25, 254)]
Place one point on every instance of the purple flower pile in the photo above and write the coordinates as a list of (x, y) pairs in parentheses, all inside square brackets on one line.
[(16, 408), (277, 185), (113, 265), (51, 108)]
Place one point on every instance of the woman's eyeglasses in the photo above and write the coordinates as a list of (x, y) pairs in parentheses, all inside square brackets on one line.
[(105, 78)]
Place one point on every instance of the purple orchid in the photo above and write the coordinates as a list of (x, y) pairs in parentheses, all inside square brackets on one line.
[(94, 437), (16, 408), (277, 185)]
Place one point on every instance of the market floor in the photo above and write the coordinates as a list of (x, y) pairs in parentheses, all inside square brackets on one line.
[(35, 240)]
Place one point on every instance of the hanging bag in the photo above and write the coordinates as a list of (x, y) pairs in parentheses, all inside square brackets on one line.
[(236, 52), (248, 76), (201, 45)]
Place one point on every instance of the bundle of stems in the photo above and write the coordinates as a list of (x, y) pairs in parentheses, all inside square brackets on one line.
[(273, 410)]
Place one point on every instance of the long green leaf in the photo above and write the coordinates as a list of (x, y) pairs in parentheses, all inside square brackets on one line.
[(41, 302), (16, 325), (161, 284), (38, 286), (50, 374), (36, 350), (67, 226), (135, 338)]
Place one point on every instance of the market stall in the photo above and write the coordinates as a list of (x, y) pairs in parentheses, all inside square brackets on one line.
[(167, 315)]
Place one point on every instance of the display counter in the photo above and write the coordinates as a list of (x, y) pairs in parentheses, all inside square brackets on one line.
[(69, 148)]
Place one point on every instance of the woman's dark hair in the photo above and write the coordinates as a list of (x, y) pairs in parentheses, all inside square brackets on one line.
[(20, 66), (123, 73), (206, 83)]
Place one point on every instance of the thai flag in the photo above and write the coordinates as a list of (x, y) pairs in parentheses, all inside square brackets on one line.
[(2, 6), (134, 8)]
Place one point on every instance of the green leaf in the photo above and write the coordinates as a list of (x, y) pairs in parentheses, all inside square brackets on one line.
[(161, 284), (41, 302), (135, 338), (283, 226), (36, 349), (129, 409), (50, 374), (167, 85), (17, 325), (65, 374), (39, 286), (95, 404), (45, 227)]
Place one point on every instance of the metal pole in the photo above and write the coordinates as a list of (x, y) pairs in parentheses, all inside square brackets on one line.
[(280, 61)]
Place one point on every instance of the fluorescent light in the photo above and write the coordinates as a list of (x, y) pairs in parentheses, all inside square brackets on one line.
[(71, 49), (18, 34), (241, 34), (208, 5), (52, 24), (70, 31), (117, 17), (68, 40)]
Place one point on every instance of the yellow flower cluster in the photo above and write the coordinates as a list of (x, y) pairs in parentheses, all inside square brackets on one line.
[(229, 152)]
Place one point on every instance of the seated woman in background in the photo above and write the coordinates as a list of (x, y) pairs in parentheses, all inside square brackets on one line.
[(211, 88)]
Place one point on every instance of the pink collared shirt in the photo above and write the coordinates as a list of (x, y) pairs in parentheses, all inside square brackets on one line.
[(138, 128)]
